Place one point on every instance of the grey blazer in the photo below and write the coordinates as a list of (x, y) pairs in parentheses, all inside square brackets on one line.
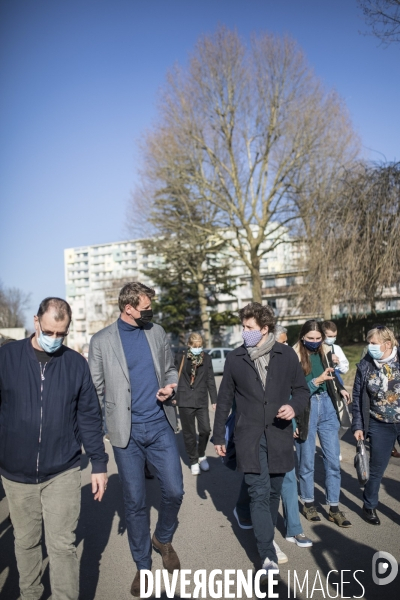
[(110, 375)]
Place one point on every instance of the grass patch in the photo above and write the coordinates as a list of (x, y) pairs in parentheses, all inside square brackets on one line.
[(353, 354)]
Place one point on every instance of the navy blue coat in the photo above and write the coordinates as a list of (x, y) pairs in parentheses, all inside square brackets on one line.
[(41, 432), (256, 408), (361, 401)]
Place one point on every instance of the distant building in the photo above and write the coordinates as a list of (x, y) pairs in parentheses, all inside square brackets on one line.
[(14, 333), (95, 274)]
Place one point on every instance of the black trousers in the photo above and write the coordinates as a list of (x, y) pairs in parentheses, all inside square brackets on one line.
[(188, 421)]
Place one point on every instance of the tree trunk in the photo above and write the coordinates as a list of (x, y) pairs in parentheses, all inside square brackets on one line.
[(327, 309), (205, 322), (256, 282)]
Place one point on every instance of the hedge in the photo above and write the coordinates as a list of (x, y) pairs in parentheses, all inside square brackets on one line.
[(351, 331)]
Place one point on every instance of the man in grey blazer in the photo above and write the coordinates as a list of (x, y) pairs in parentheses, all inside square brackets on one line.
[(134, 374)]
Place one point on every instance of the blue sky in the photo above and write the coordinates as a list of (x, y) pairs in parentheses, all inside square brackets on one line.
[(79, 81)]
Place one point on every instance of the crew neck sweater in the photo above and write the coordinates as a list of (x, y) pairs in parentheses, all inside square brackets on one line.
[(143, 379), (317, 368)]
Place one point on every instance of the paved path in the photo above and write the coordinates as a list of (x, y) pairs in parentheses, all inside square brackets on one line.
[(209, 538)]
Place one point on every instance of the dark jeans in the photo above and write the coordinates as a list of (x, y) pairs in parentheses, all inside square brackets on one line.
[(188, 421), (156, 441), (382, 437), (264, 491)]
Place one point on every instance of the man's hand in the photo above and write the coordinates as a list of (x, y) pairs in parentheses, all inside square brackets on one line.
[(214, 406), (164, 393), (99, 485), (359, 434), (346, 396), (220, 450), (285, 412)]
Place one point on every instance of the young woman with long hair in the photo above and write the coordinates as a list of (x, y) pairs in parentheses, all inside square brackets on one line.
[(326, 395)]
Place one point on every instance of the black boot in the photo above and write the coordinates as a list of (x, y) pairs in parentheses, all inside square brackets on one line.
[(369, 515)]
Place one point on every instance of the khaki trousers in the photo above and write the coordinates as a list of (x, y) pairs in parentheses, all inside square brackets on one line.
[(56, 504)]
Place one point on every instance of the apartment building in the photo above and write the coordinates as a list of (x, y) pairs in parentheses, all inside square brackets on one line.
[(95, 274), (92, 275)]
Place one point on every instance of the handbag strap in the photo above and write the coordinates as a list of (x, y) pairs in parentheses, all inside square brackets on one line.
[(181, 367)]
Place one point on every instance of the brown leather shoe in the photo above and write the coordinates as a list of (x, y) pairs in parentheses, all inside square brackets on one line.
[(169, 556), (135, 587)]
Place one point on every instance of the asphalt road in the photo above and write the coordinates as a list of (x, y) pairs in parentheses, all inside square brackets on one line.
[(208, 536)]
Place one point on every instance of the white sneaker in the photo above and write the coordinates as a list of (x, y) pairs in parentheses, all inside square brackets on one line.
[(301, 540), (268, 565), (281, 556), (195, 469), (203, 462)]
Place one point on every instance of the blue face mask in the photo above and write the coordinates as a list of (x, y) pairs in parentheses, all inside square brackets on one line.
[(375, 351), (330, 341), (48, 343), (312, 346), (196, 351)]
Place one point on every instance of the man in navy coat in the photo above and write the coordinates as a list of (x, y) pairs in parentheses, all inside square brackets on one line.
[(267, 382)]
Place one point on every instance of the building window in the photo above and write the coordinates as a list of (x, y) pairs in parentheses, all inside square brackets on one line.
[(98, 309), (269, 283)]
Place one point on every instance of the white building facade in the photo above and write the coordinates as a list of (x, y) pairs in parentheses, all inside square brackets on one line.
[(94, 275)]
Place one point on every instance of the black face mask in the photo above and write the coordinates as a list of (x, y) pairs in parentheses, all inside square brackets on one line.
[(145, 317)]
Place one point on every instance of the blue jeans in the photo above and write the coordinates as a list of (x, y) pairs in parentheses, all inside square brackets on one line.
[(290, 504), (156, 441), (382, 437), (265, 492), (325, 423)]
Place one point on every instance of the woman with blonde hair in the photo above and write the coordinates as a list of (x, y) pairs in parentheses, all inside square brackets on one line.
[(376, 409), (196, 382)]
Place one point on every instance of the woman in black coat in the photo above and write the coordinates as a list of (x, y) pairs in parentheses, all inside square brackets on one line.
[(196, 382)]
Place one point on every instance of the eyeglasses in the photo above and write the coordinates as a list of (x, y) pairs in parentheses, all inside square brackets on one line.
[(53, 333)]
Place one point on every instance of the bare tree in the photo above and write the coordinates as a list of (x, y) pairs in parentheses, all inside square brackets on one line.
[(245, 129), (13, 302), (383, 16), (353, 253), (370, 235)]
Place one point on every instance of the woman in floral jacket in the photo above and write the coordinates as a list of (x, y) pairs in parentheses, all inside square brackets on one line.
[(376, 409)]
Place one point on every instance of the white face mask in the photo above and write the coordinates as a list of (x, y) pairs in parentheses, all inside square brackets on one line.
[(196, 351), (330, 340)]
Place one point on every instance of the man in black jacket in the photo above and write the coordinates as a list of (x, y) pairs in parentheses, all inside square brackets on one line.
[(48, 408), (268, 384)]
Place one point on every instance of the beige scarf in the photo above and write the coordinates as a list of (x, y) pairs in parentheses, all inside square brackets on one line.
[(260, 355)]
